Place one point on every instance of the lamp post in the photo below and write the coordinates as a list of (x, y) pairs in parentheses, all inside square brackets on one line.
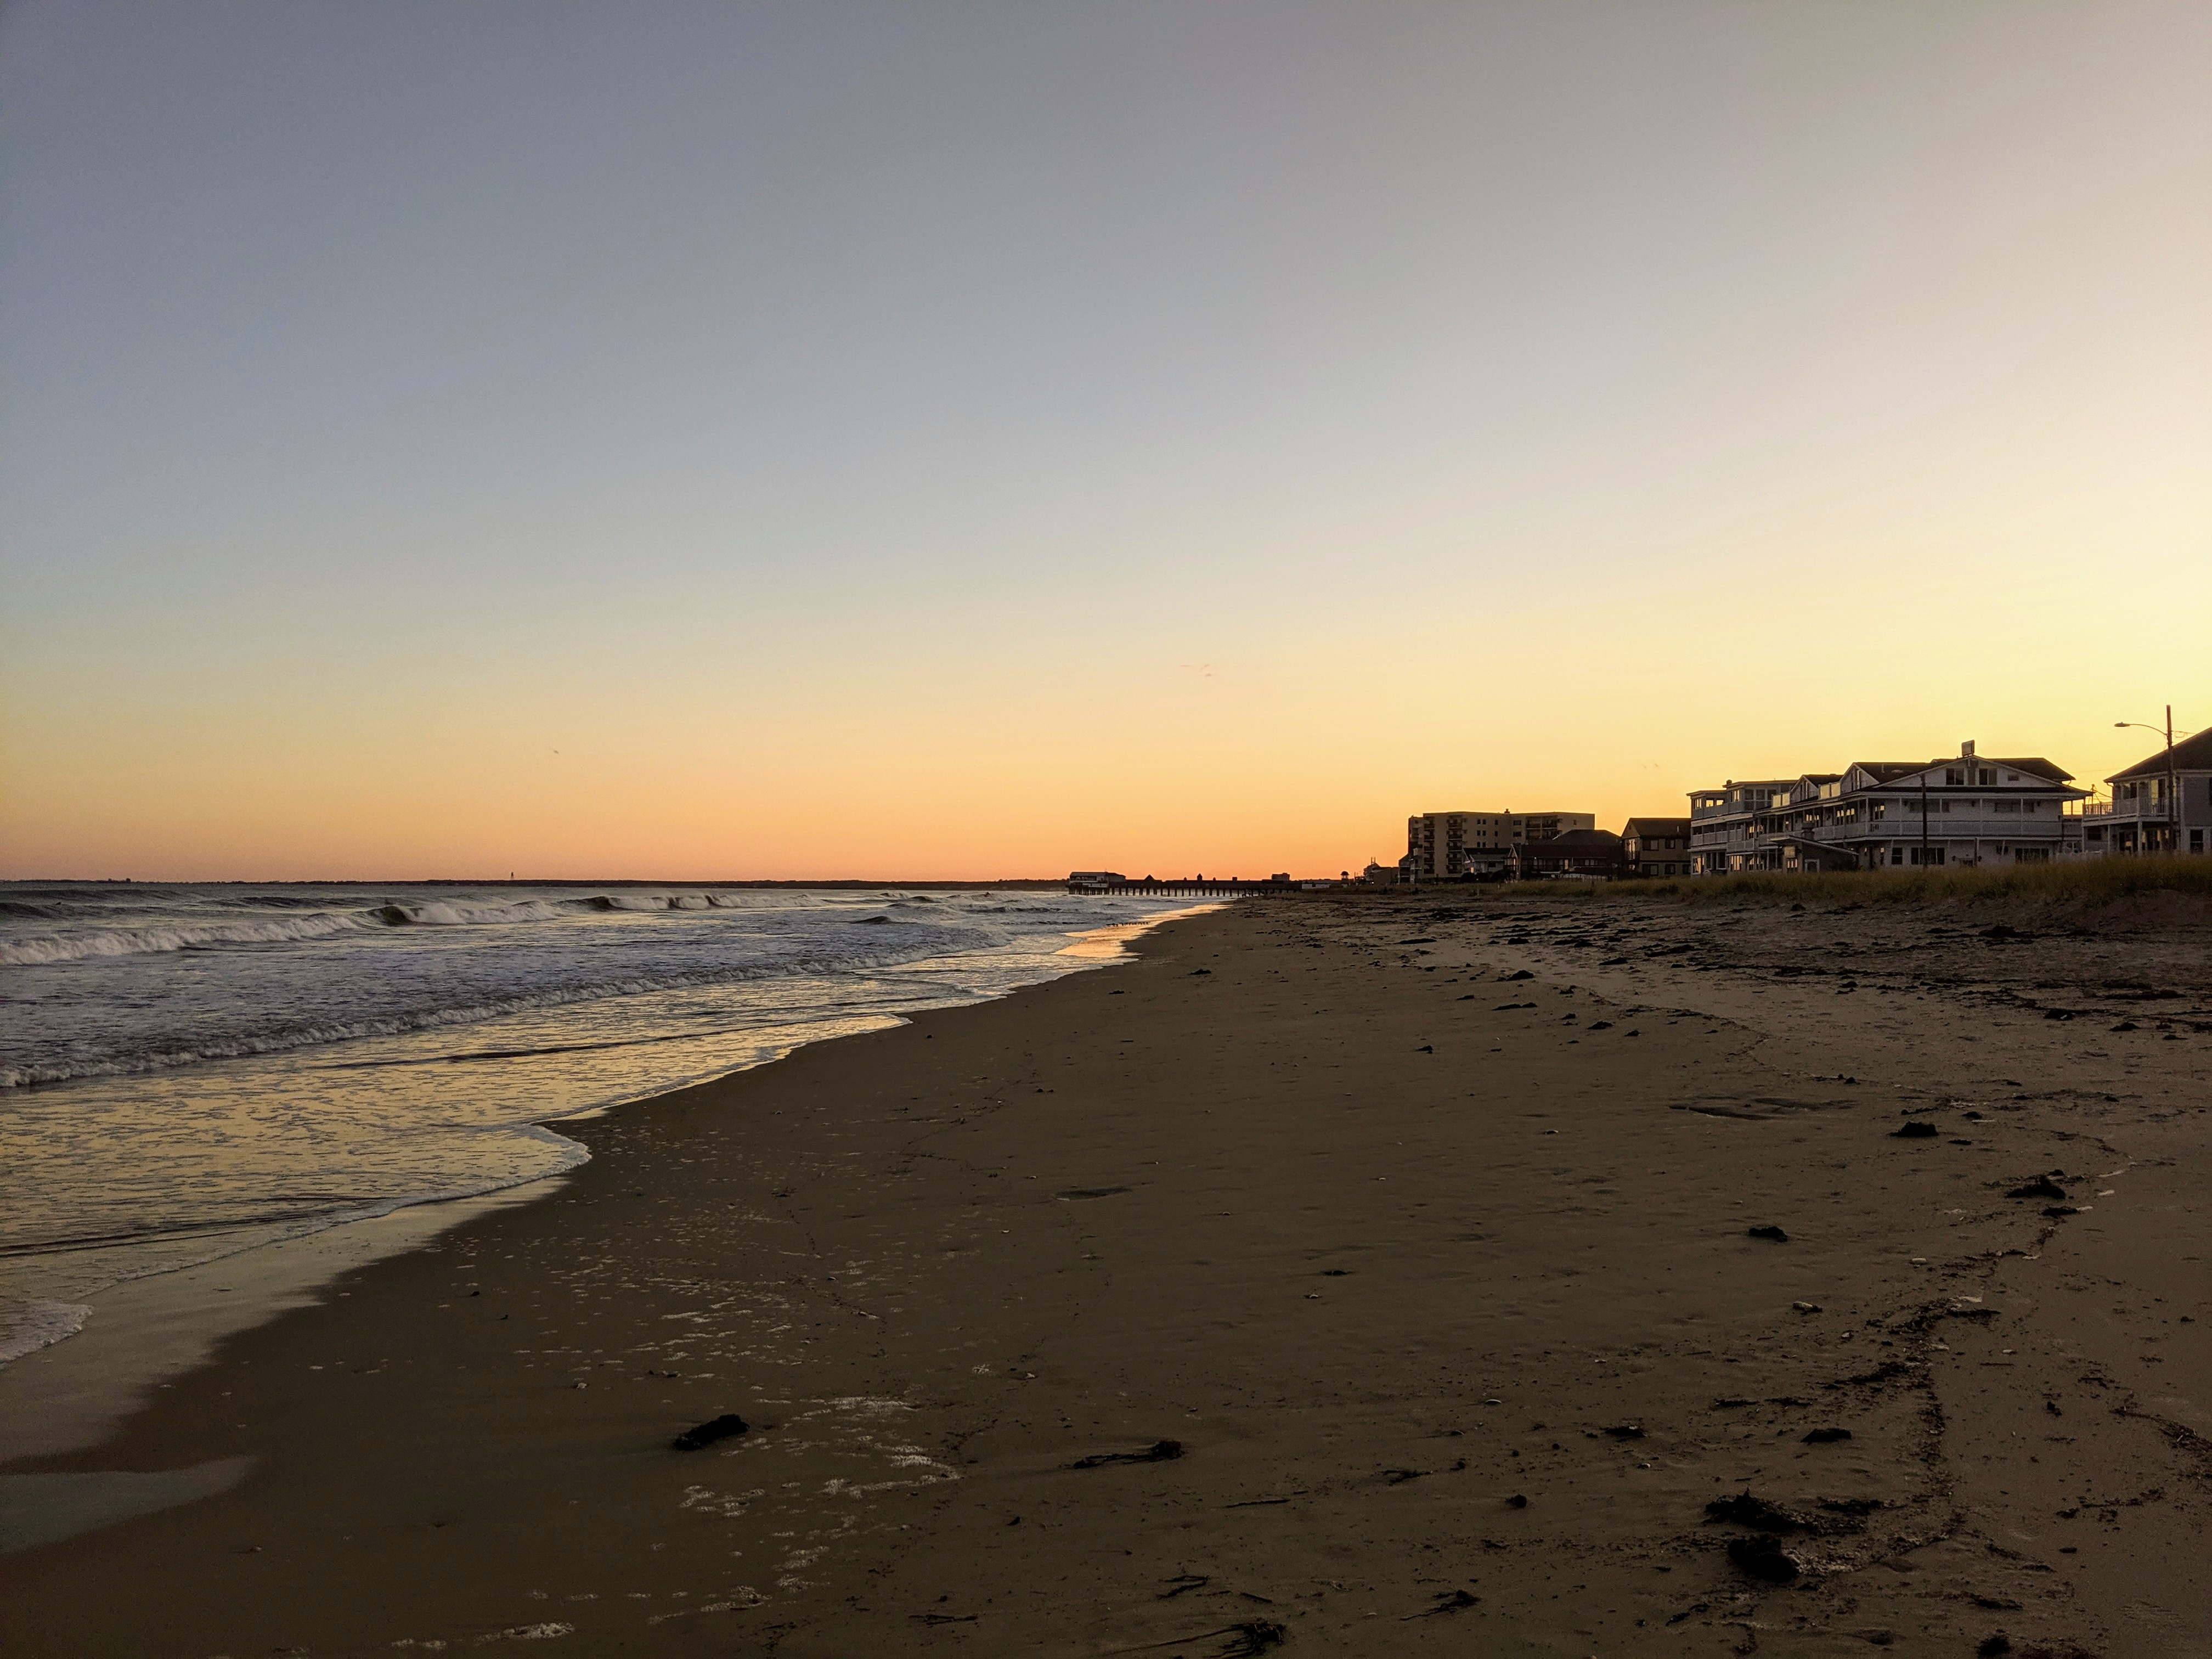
[(2173, 793)]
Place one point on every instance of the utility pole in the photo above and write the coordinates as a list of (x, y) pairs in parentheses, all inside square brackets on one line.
[(2172, 785)]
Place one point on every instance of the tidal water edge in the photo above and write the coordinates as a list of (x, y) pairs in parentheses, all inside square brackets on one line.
[(191, 1071)]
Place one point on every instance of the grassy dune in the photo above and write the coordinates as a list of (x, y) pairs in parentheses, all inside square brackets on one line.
[(2090, 882)]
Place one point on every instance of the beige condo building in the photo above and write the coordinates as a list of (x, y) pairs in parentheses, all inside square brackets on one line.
[(1442, 844)]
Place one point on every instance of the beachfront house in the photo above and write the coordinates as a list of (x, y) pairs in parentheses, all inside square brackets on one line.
[(1486, 863), (1722, 837), (1578, 855), (1442, 844), (2162, 803), (1655, 847), (1966, 809)]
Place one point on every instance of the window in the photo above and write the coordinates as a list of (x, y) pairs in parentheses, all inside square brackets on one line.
[(1897, 855), (1927, 855), (2096, 834), (2004, 806), (1953, 774), (1985, 775), (2030, 856)]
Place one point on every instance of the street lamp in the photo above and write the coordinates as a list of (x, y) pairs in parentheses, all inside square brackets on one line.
[(2172, 791)]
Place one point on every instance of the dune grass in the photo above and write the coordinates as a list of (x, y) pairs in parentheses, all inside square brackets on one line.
[(2086, 882)]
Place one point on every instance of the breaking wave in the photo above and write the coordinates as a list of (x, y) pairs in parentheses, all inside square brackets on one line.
[(134, 941), (325, 924), (440, 913), (242, 1045), (661, 902)]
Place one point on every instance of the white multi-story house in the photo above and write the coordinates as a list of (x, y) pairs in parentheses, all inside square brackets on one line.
[(2161, 805), (1722, 824), (1964, 809)]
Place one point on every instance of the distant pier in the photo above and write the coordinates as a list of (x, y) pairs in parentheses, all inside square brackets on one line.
[(1189, 887)]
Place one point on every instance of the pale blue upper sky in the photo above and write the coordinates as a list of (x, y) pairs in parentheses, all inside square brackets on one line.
[(391, 361)]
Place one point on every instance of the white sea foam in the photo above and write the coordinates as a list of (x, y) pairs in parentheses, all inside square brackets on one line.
[(41, 949), (40, 1325), (240, 1045), (134, 941), (442, 914)]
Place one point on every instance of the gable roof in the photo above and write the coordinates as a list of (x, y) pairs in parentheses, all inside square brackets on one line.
[(2033, 765), (2189, 755), (1655, 827)]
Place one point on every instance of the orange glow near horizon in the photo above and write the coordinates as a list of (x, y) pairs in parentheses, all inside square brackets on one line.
[(1247, 767)]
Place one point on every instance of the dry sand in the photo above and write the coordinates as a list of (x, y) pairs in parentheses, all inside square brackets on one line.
[(1442, 1281)]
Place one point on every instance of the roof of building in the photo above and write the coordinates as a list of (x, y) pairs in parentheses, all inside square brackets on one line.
[(1655, 827), (1573, 839), (2189, 755), (2033, 765)]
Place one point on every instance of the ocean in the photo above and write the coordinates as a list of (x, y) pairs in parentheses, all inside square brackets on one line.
[(189, 1071)]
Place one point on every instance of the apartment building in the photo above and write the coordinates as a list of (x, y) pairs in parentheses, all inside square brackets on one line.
[(1655, 847), (2159, 804), (1437, 843), (1968, 809)]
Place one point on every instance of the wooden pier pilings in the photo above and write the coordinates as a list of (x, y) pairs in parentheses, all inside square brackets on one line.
[(1189, 887)]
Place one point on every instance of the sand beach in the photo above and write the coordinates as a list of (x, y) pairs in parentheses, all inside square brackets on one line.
[(1340, 1274)]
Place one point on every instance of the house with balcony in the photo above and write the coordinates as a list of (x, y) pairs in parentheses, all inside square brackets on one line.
[(2159, 804), (1966, 809), (1721, 823)]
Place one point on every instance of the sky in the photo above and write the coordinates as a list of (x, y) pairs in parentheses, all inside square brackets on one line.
[(902, 440)]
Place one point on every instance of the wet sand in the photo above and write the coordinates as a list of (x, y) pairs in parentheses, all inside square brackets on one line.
[(1449, 1303)]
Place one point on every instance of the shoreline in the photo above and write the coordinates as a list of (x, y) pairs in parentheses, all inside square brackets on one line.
[(842, 884), (1330, 1201), (1087, 948)]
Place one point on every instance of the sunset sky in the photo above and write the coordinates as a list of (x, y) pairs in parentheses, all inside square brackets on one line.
[(726, 439)]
